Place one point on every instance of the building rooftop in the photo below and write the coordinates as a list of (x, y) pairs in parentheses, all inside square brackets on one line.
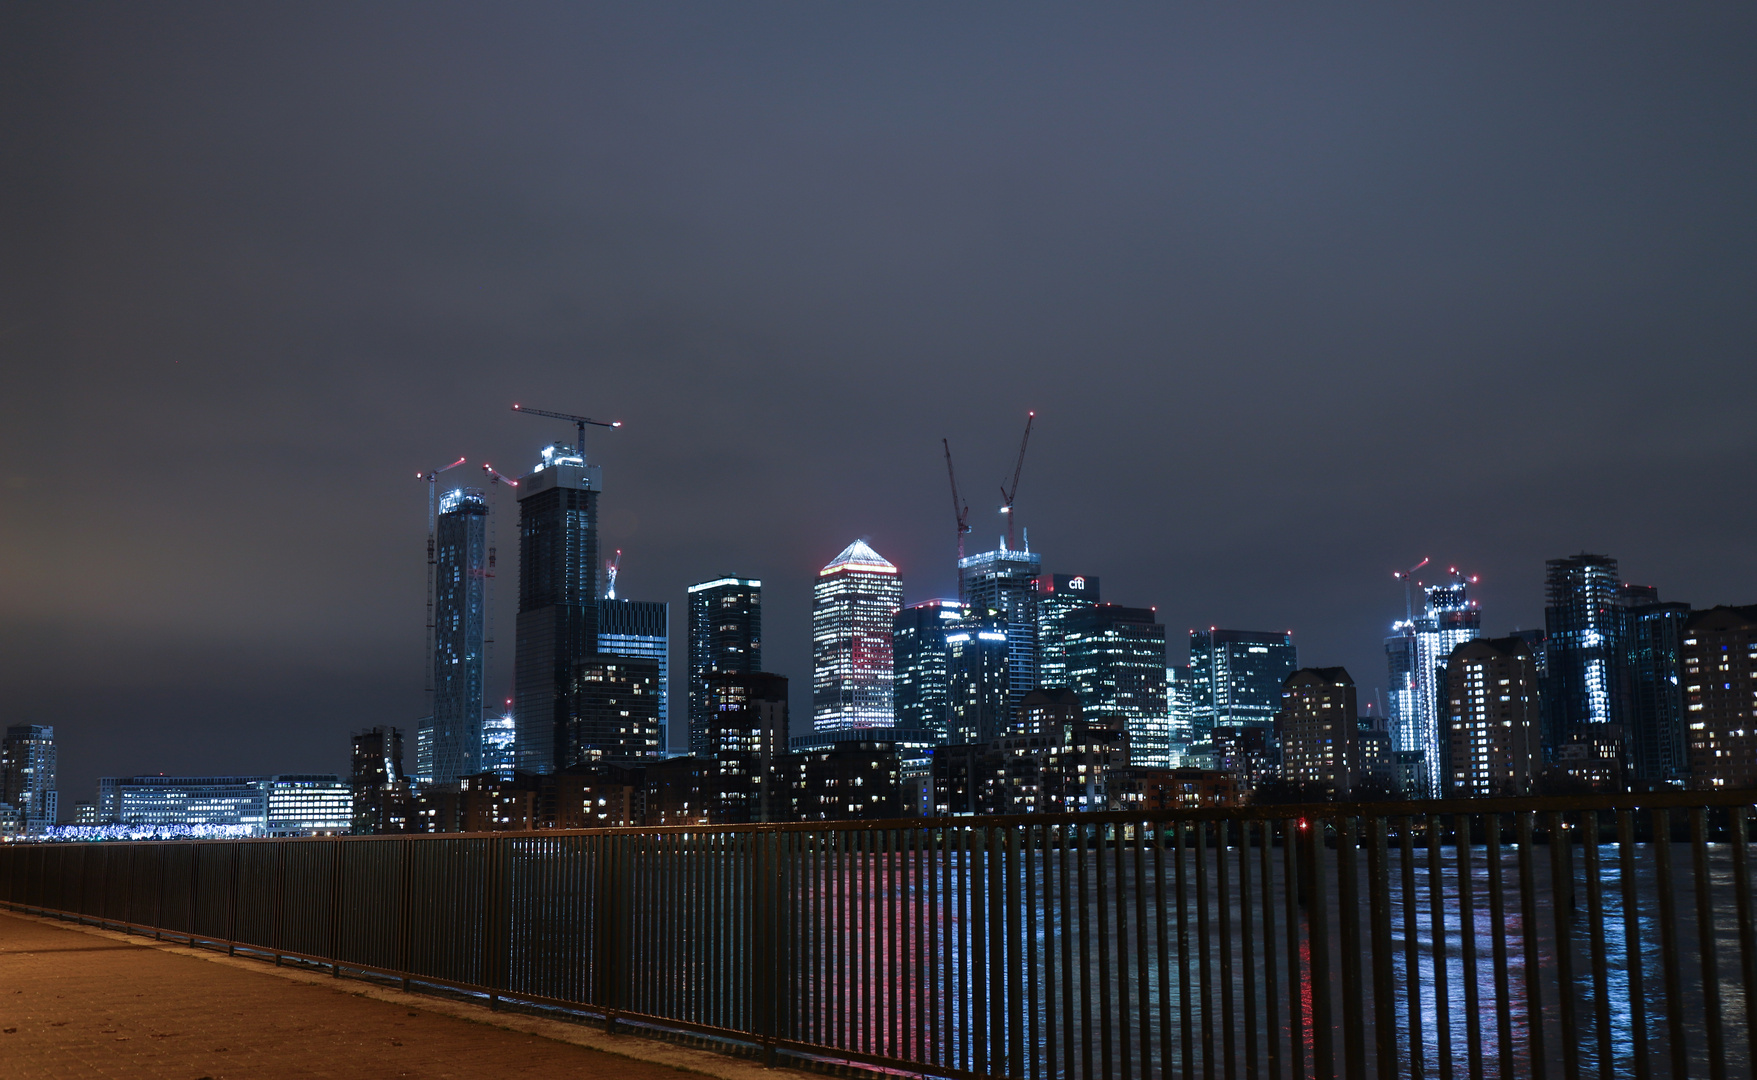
[(858, 556)]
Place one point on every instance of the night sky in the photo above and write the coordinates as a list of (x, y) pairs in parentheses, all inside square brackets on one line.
[(1300, 295)]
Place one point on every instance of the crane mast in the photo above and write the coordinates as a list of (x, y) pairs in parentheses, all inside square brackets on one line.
[(1009, 494), (960, 508)]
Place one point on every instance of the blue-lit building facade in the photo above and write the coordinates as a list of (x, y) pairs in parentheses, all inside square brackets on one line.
[(1416, 654), (1654, 692), (640, 628), (1003, 584), (977, 668), (454, 741), (1058, 596), (854, 607), (500, 744), (725, 638), (1581, 618), (283, 805), (1116, 666), (1237, 677), (921, 660), (558, 597)]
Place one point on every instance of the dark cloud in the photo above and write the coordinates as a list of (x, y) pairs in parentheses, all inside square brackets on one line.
[(1300, 296)]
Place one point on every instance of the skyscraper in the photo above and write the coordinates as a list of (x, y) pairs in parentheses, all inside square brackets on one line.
[(1582, 616), (459, 604), (921, 657), (640, 628), (1316, 728), (976, 666), (1492, 720), (27, 775), (1058, 595), (1238, 676), (1003, 583), (725, 637), (1653, 690), (854, 603), (1116, 666), (558, 597), (1417, 651)]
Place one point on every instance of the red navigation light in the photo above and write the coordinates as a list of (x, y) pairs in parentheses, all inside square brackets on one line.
[(1302, 823)]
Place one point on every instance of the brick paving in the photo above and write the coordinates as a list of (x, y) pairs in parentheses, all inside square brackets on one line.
[(81, 1003)]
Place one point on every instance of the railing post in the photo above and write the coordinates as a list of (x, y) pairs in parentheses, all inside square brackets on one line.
[(232, 902), (405, 908), (336, 897)]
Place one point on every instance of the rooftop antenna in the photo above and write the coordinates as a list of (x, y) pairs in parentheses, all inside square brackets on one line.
[(1408, 596), (1008, 494), (579, 423), (960, 508)]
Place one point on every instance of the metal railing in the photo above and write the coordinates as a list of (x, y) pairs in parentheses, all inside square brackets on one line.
[(1601, 937)]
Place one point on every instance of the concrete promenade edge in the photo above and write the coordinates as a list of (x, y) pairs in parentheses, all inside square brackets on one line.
[(109, 984)]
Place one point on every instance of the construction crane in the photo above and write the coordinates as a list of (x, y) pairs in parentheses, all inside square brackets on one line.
[(579, 423), (611, 566), (1008, 494), (495, 476), (431, 476), (960, 508), (1406, 576)]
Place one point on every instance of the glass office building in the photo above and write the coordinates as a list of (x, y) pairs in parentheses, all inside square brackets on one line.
[(921, 659), (283, 805), (1116, 666), (1003, 583), (854, 606), (976, 661), (1237, 676), (640, 628), (725, 638), (1059, 595)]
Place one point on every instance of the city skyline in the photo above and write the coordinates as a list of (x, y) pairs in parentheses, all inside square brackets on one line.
[(265, 264)]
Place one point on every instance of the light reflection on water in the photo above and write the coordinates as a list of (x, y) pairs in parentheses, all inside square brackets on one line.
[(914, 958)]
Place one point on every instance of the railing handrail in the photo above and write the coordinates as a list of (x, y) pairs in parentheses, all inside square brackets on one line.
[(1417, 808)]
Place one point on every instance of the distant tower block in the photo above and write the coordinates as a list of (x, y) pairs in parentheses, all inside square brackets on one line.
[(854, 605)]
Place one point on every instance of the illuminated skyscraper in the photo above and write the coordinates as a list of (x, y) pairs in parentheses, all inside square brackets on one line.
[(1003, 583), (1238, 676), (976, 666), (1059, 595), (854, 603), (1116, 665), (499, 744), (459, 604), (1417, 651), (640, 628), (558, 597), (725, 638), (918, 646), (1582, 616)]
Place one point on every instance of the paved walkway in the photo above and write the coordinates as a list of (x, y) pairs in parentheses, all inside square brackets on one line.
[(88, 1003)]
